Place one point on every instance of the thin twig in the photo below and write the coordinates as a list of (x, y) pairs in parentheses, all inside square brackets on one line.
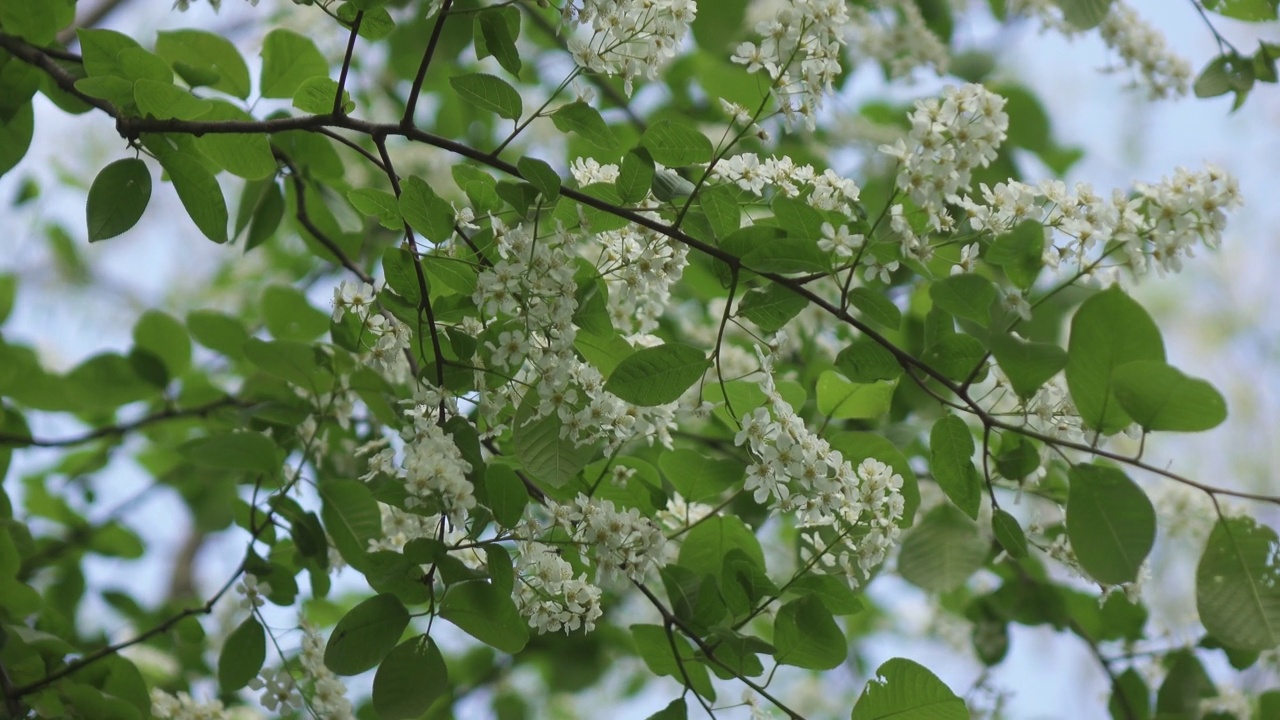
[(121, 429), (412, 103), (346, 63)]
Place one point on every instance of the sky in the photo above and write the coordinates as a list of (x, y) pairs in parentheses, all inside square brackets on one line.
[(1216, 316)]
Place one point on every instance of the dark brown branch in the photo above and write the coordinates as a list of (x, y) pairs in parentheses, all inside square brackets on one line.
[(346, 63), (412, 103), (122, 429), (300, 195)]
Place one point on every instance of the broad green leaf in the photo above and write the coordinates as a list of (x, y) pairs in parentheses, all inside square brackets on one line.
[(1159, 397), (1130, 698), (425, 211), (635, 176), (1028, 365), (833, 591), (288, 60), (541, 175), (496, 30), (1110, 522), (199, 192), (771, 307), (37, 22), (365, 635), (411, 677), (401, 275), (720, 204), (657, 375), (966, 295), (117, 198), (164, 100), (378, 204), (218, 332), (942, 551), (482, 611), (866, 360), (875, 307), (1084, 14), (1238, 584), (8, 294), (906, 690), (316, 94), (699, 478), (544, 454), (1108, 330), (1009, 534), (676, 144), (604, 352), (806, 635), (245, 450), (165, 337), (196, 54), (1186, 685), (677, 709), (1247, 10), (246, 155), (100, 49), (787, 255), (950, 458), (799, 217), (655, 647), (1020, 252), (581, 118), (242, 655), (507, 495), (707, 543), (956, 356), (351, 518), (489, 92), (15, 137), (290, 361), (138, 64), (840, 399), (290, 316)]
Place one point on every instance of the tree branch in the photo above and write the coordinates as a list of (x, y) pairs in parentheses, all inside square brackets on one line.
[(121, 429)]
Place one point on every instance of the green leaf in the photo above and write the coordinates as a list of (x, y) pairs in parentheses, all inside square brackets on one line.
[(411, 677), (1110, 522), (1084, 14), (1159, 397), (956, 356), (799, 217), (720, 204), (398, 267), (431, 216), (290, 361), (316, 94), (378, 204), (676, 144), (1028, 365), (1107, 331), (806, 635), (875, 307), (212, 58), (288, 60), (8, 294), (579, 117), (654, 646), (242, 655), (289, 315), (833, 591), (708, 543), (1247, 10), (245, 450), (771, 307), (950, 458), (657, 375), (1020, 252), (365, 635), (489, 92), (100, 49), (218, 332), (787, 255), (942, 551), (482, 611), (635, 176), (165, 337), (164, 100), (541, 175), (1238, 584), (966, 295), (1130, 698), (199, 192), (496, 30), (117, 198), (840, 399), (507, 495), (351, 518), (677, 709), (15, 137), (543, 453), (246, 155), (1009, 534), (866, 360), (905, 690), (698, 477)]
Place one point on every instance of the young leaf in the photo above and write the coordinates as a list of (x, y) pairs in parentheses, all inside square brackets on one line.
[(411, 677), (365, 635), (486, 614), (218, 332), (164, 100), (289, 59), (210, 58), (1110, 522), (906, 690), (806, 635), (1238, 584), (1009, 534), (942, 551), (840, 399), (242, 655), (117, 198), (316, 94), (1159, 397), (1108, 330), (966, 296), (657, 375), (950, 458), (676, 144), (489, 92)]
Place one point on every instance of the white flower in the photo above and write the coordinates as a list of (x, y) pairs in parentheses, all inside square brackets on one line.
[(252, 591), (279, 692)]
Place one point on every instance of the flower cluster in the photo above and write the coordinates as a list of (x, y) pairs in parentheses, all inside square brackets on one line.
[(279, 691), (550, 596), (387, 338), (434, 471), (183, 707), (894, 33), (827, 191), (628, 37), (328, 694), (796, 470), (621, 542), (948, 140), (800, 50)]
